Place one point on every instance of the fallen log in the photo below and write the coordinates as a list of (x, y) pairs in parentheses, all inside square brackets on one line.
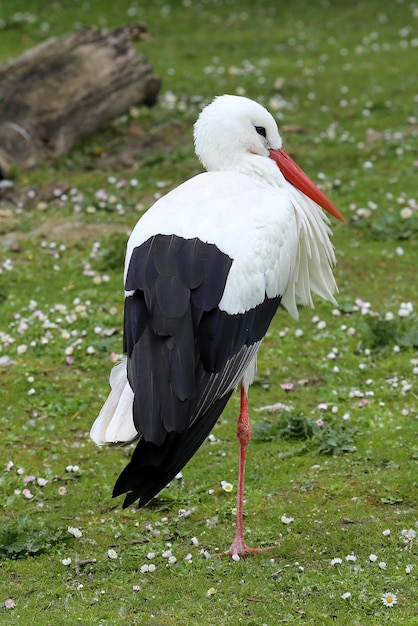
[(68, 88)]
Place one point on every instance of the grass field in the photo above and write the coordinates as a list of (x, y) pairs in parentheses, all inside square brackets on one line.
[(332, 475)]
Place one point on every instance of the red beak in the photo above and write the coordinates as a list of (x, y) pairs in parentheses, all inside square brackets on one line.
[(297, 177)]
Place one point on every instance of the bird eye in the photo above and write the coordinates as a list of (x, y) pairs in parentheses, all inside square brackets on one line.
[(261, 130)]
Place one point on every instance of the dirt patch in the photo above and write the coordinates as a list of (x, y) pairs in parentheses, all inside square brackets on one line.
[(75, 231), (132, 152)]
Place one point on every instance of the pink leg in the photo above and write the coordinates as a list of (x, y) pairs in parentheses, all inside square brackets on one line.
[(239, 546)]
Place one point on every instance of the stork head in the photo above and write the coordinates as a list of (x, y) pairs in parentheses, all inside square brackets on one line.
[(232, 127), (233, 132)]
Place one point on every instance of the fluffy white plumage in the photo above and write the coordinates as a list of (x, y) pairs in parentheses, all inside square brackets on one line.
[(251, 221), (114, 423), (276, 235)]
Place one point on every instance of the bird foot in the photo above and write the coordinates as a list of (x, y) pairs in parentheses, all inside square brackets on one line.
[(240, 549)]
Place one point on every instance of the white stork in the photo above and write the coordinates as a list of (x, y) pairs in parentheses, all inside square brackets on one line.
[(206, 269)]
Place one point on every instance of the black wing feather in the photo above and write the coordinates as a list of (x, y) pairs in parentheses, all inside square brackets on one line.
[(185, 355), (172, 296)]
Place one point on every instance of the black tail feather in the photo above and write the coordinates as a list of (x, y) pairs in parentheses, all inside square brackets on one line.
[(153, 467)]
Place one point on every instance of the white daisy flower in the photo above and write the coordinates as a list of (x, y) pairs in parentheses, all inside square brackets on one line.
[(389, 599)]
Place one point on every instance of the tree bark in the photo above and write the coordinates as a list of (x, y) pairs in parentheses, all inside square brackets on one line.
[(67, 88)]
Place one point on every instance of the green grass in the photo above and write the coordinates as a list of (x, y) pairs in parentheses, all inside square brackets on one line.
[(342, 73)]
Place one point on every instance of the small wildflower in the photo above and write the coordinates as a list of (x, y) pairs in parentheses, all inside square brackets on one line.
[(114, 357), (66, 561), (389, 599), (27, 493), (351, 558), (406, 213), (226, 486), (336, 561), (136, 587), (320, 422), (408, 568), (151, 567), (74, 531), (112, 554), (41, 481), (408, 535), (346, 595), (205, 553), (9, 603), (405, 309), (62, 490), (286, 520), (372, 558), (211, 592), (382, 565), (235, 557), (386, 532), (287, 386)]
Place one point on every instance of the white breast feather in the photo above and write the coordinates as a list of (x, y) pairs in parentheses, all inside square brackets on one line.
[(315, 256), (277, 237)]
